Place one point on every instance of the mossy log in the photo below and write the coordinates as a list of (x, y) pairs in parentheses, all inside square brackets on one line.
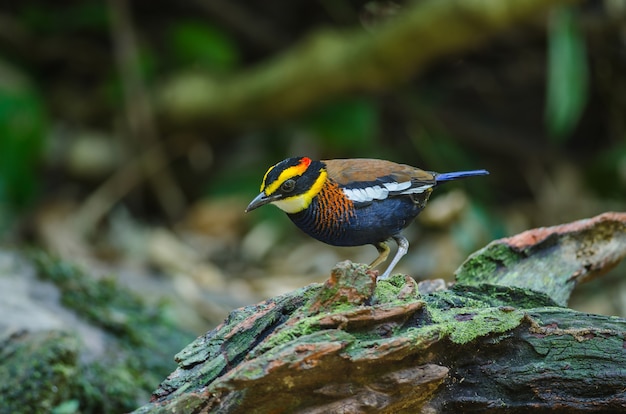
[(498, 340)]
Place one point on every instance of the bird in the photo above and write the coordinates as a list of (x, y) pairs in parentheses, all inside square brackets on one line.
[(352, 202)]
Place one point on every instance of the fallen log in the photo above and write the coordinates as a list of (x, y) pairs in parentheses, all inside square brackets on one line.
[(498, 340)]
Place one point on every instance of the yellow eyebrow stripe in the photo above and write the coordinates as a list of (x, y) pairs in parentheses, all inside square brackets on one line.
[(288, 173), (265, 178)]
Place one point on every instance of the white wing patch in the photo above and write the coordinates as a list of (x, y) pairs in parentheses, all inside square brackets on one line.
[(397, 186), (367, 194), (417, 190), (362, 195)]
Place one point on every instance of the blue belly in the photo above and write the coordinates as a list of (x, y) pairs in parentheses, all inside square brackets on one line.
[(369, 224)]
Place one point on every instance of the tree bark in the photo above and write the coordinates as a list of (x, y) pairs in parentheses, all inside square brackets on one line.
[(499, 340)]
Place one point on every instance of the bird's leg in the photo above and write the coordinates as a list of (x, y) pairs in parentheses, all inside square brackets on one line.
[(403, 247), (383, 252)]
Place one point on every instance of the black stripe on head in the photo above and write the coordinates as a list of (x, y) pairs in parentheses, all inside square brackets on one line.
[(274, 172), (299, 172), (306, 180)]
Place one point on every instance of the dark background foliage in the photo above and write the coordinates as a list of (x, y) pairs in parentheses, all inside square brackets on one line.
[(94, 166)]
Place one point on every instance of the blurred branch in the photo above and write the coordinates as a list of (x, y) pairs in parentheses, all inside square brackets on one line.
[(140, 115), (148, 165), (331, 63)]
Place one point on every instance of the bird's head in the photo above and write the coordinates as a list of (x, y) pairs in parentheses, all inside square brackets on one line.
[(291, 185)]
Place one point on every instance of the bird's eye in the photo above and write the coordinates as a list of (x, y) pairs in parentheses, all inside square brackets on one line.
[(288, 186)]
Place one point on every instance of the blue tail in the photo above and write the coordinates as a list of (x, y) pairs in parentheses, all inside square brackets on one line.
[(459, 174)]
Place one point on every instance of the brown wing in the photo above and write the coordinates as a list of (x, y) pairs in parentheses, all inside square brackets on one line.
[(354, 170)]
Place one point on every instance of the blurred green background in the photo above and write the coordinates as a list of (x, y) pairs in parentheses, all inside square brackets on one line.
[(120, 146), (134, 134)]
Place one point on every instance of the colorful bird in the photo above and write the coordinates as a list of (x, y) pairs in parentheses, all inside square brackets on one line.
[(352, 202)]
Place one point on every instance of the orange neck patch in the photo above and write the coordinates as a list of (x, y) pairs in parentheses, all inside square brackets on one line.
[(334, 208)]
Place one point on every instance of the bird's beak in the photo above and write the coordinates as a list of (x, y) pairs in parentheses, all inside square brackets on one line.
[(261, 200)]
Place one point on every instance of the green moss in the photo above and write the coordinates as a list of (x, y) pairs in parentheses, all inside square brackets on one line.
[(233, 342), (302, 327), (141, 340), (464, 318), (37, 371), (101, 302), (412, 340), (483, 323), (497, 295), (544, 267), (256, 368), (187, 403), (349, 285), (386, 296), (447, 299), (483, 265), (390, 290), (67, 407)]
